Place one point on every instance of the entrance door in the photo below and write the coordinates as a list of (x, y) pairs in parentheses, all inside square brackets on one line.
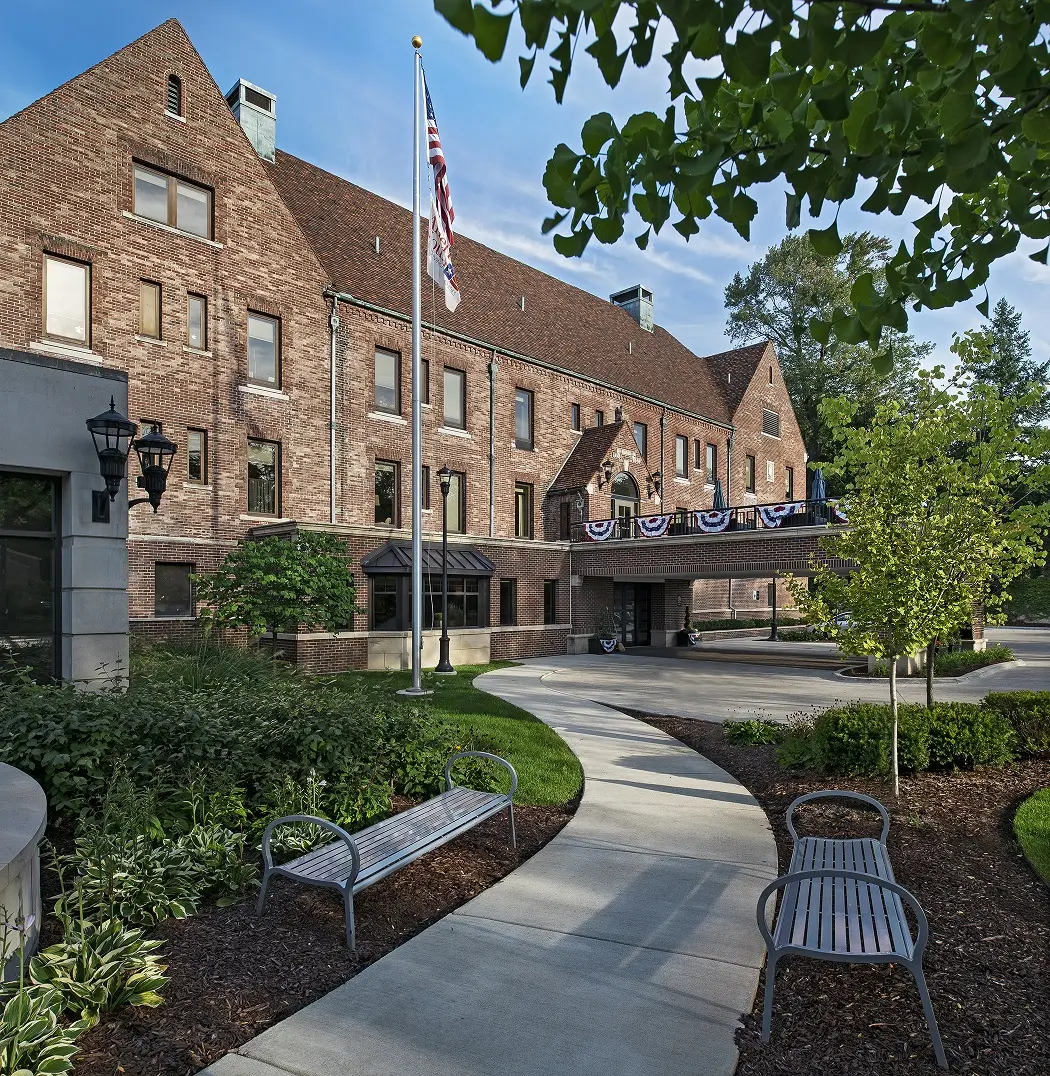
[(631, 603), (28, 575)]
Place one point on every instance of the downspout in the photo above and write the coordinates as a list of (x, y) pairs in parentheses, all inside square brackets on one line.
[(729, 469), (663, 460), (333, 323), (492, 446)]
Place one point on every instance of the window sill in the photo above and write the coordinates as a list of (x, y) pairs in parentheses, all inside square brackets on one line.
[(174, 116), (385, 416), (771, 436), (204, 487), (679, 481), (262, 390), (155, 340), (258, 518), (196, 351), (173, 231), (67, 351), (454, 431), (174, 616), (523, 448)]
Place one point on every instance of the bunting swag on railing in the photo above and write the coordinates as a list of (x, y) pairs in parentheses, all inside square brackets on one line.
[(601, 529), (840, 510), (652, 526), (712, 522), (773, 515)]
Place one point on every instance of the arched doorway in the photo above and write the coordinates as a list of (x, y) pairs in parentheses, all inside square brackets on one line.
[(624, 496)]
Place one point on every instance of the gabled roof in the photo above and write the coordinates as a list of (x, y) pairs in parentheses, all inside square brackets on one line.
[(561, 325), (590, 451), (740, 364)]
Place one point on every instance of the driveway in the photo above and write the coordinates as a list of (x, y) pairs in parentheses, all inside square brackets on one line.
[(728, 690)]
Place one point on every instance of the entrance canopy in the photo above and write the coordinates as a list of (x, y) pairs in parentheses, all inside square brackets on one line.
[(395, 558)]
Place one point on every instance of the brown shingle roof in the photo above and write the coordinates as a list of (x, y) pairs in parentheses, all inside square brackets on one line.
[(588, 455), (561, 325), (741, 363)]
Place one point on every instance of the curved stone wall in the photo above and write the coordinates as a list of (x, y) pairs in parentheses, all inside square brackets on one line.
[(23, 816)]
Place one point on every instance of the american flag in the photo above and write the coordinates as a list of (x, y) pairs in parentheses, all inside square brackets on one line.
[(439, 245)]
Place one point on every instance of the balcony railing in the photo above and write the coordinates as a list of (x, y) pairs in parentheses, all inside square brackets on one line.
[(822, 513)]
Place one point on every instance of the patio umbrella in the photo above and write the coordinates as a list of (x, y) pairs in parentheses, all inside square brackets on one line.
[(817, 490), (719, 503)]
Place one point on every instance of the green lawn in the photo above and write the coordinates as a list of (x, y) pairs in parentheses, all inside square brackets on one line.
[(1032, 826), (548, 772)]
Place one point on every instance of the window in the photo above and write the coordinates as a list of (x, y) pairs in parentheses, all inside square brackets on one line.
[(173, 590), (172, 201), (175, 95), (67, 300), (149, 425), (465, 607), (522, 418), (457, 503), (681, 456), (770, 423), (264, 478), (711, 463), (564, 521), (522, 510), (264, 349), (197, 322), (624, 496), (386, 492), (749, 474), (789, 483), (424, 486), (197, 455), (641, 438), (424, 381), (574, 416), (388, 381), (771, 472), (384, 603), (771, 375), (455, 398), (508, 602), (599, 418), (149, 309), (550, 601)]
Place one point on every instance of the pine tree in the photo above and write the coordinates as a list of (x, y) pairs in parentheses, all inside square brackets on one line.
[(1009, 367)]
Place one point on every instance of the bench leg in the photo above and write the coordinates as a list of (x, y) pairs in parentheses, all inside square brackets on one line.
[(931, 1020), (262, 893), (767, 1007), (351, 926), (513, 831)]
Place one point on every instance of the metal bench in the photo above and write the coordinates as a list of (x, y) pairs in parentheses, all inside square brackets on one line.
[(354, 862), (840, 902)]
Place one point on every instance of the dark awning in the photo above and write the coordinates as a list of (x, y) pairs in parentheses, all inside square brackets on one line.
[(396, 558)]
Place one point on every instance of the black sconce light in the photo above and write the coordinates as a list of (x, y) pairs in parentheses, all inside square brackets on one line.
[(654, 483), (112, 433), (607, 471)]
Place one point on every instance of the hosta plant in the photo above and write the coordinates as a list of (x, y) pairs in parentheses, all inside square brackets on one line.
[(33, 1041)]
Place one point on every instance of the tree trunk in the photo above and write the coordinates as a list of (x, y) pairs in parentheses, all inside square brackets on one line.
[(894, 772), (273, 642), (931, 657)]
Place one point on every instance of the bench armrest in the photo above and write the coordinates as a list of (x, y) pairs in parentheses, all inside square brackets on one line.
[(834, 793), (322, 823), (830, 872), (481, 754)]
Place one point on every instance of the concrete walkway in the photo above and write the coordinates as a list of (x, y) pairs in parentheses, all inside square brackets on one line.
[(626, 947)]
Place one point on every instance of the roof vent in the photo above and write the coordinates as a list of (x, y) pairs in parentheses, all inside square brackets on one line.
[(256, 111), (638, 302)]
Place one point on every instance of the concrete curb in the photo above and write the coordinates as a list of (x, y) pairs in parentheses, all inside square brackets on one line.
[(976, 674)]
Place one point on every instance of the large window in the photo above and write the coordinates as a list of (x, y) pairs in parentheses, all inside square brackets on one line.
[(550, 601), (464, 601), (197, 455), (386, 492), (522, 418), (749, 474), (388, 382), (457, 503), (641, 438), (455, 398), (264, 350), (711, 464), (197, 322), (508, 602), (67, 300), (681, 456), (171, 201), (264, 478), (522, 510), (173, 590), (149, 309)]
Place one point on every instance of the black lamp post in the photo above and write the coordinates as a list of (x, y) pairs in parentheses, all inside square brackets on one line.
[(444, 666)]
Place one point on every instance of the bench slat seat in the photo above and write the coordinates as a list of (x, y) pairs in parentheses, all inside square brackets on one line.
[(351, 863)]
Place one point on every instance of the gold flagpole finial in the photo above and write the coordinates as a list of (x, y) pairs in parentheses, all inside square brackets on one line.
[(417, 42)]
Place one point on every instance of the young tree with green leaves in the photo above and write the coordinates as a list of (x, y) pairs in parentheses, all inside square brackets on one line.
[(782, 293), (933, 528), (937, 109), (280, 583)]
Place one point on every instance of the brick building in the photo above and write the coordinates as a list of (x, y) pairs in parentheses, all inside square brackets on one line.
[(260, 307)]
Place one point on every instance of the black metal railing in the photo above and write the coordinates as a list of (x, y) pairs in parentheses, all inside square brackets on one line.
[(809, 513)]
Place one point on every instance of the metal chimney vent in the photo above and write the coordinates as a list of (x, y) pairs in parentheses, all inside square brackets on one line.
[(256, 111), (638, 302)]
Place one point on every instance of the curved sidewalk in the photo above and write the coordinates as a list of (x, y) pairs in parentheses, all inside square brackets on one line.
[(626, 947)]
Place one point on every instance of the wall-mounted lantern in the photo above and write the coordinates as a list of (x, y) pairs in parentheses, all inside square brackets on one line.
[(155, 454), (112, 434), (654, 483), (607, 473)]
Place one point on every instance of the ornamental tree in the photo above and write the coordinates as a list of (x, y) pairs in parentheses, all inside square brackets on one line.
[(277, 583), (939, 108), (933, 525)]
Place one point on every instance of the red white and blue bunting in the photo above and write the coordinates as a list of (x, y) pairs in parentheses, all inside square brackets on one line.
[(608, 645), (773, 515), (600, 529), (712, 522), (840, 510), (652, 526)]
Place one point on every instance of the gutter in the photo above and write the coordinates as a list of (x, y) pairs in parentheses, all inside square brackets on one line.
[(345, 297)]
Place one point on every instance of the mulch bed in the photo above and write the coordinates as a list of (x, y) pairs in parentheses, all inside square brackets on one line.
[(988, 961), (233, 975)]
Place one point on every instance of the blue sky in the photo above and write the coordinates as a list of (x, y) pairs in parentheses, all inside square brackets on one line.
[(342, 73)]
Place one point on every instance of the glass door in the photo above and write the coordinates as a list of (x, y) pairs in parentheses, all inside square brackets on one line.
[(28, 574), (631, 602)]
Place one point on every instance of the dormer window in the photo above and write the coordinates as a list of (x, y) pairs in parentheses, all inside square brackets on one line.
[(175, 95)]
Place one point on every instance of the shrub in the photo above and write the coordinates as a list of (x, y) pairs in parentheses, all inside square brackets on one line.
[(32, 1039), (963, 735), (958, 662), (753, 732), (731, 625), (1028, 713)]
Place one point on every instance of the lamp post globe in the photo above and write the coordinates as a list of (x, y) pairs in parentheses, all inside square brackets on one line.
[(444, 666), (112, 433)]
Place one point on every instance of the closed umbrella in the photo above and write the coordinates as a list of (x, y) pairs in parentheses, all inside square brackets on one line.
[(818, 492), (719, 503)]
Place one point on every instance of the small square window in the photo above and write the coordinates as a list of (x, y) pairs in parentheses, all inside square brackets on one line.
[(264, 350), (149, 425), (197, 322), (173, 590), (508, 602), (197, 455), (149, 309), (387, 381)]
